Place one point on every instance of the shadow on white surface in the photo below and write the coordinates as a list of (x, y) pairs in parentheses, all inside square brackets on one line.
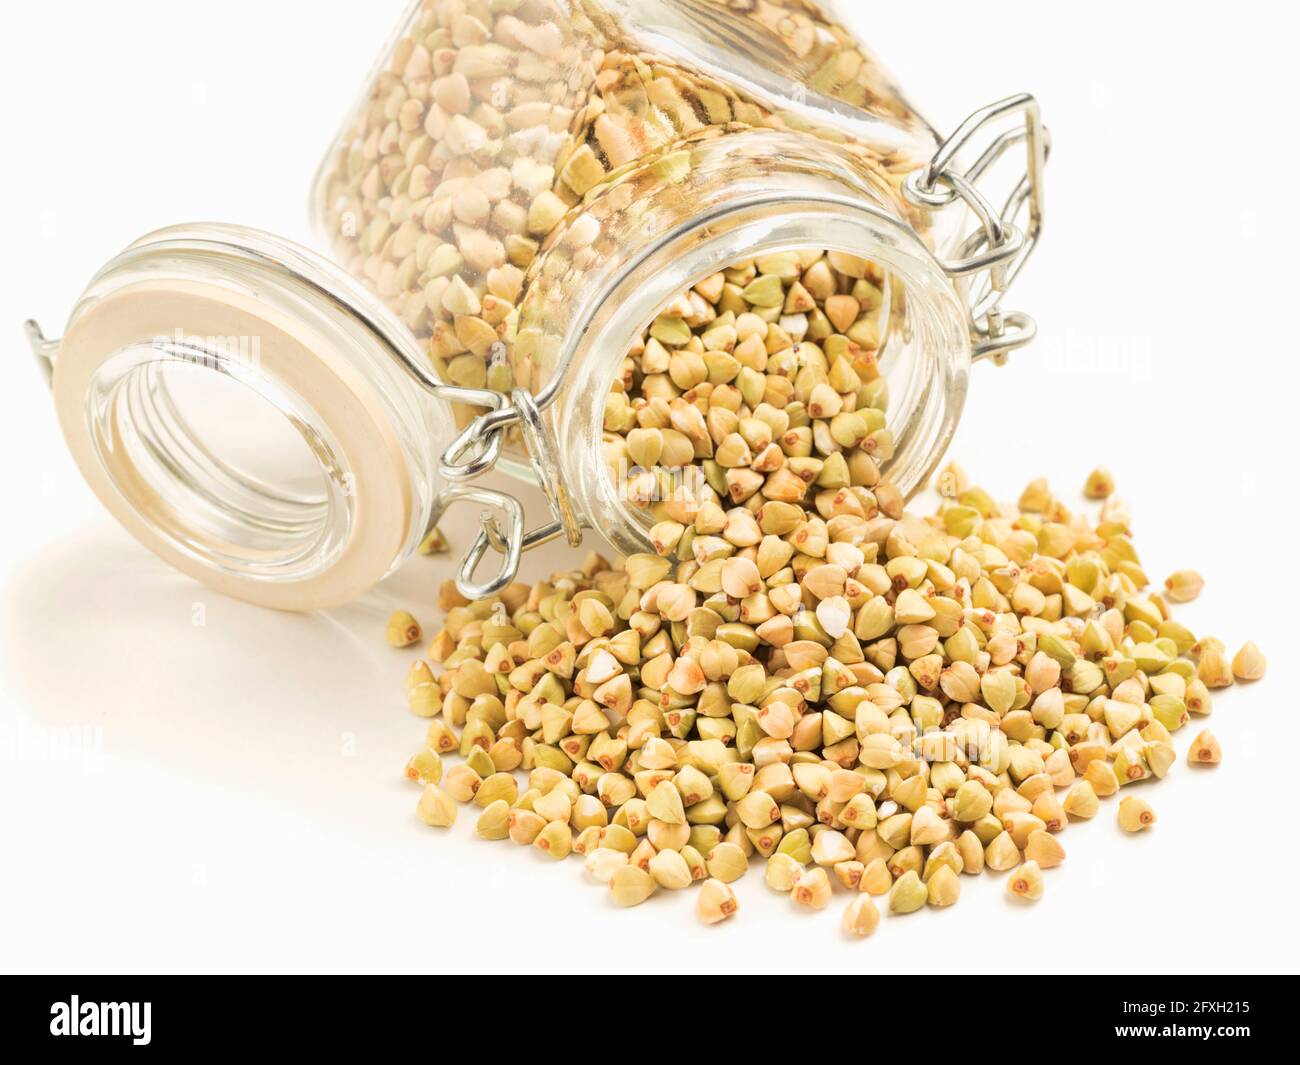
[(100, 633)]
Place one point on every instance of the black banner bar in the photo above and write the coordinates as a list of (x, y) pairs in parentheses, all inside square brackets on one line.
[(142, 1014)]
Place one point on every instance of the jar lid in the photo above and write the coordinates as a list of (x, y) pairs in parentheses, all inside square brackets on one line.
[(236, 402)]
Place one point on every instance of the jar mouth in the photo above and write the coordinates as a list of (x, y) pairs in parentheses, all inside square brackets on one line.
[(233, 469), (244, 413), (924, 353)]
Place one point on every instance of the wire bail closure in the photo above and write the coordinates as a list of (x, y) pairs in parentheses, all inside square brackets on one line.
[(997, 247), (474, 452)]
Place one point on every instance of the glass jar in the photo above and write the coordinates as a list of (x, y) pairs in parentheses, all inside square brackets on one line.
[(522, 187)]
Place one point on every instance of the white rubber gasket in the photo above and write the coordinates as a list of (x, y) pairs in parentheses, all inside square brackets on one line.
[(297, 359)]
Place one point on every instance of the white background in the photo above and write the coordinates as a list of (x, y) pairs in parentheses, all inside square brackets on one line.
[(243, 809)]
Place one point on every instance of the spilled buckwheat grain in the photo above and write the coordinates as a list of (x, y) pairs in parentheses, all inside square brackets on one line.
[(867, 700), (671, 731)]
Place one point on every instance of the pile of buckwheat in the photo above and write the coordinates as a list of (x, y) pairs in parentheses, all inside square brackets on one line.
[(864, 699)]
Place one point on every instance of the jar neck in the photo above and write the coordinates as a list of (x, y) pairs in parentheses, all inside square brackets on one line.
[(693, 212)]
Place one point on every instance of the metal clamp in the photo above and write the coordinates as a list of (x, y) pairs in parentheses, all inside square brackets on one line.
[(510, 541), (42, 349), (997, 248), (476, 450)]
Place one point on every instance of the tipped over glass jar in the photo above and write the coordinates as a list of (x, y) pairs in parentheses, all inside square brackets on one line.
[(522, 189)]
